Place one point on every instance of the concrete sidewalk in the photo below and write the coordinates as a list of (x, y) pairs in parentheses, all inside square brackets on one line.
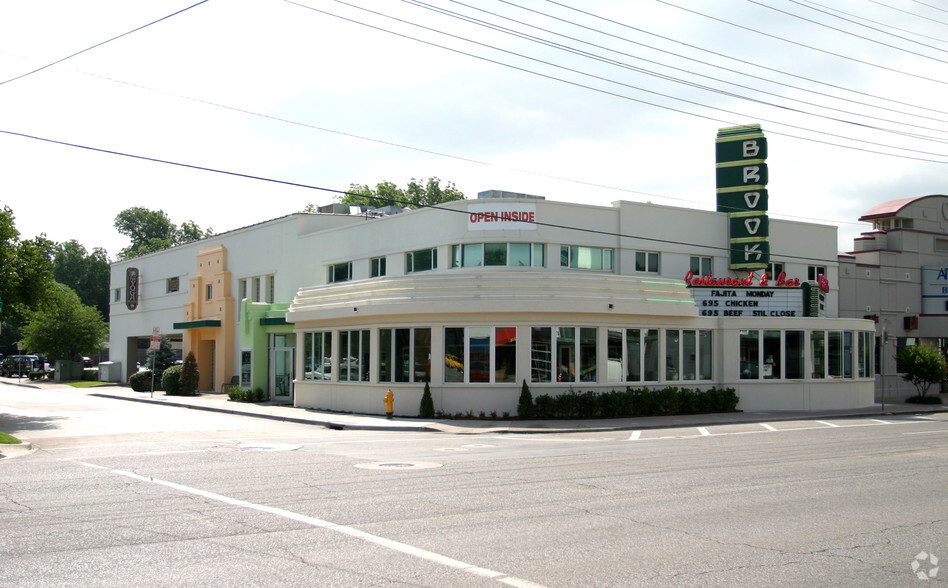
[(221, 403)]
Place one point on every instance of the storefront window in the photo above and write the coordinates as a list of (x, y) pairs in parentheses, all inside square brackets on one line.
[(246, 365), (795, 355), (835, 348), (453, 354), (705, 340), (565, 354), (652, 353), (479, 342), (588, 358), (866, 352), (772, 357), (354, 359), (541, 354), (818, 354), (633, 354), (672, 355), (505, 354), (422, 355), (750, 355), (317, 356), (847, 354)]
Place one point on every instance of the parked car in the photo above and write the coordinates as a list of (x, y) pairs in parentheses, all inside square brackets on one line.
[(19, 365)]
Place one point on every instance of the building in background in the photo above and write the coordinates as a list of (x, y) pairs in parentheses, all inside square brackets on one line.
[(897, 276)]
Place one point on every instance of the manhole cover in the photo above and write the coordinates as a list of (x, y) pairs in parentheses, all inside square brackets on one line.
[(398, 465)]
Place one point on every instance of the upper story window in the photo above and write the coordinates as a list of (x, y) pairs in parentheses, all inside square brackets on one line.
[(340, 272), (814, 271), (117, 295), (172, 285), (647, 261), (701, 266), (591, 258), (378, 267), (257, 288), (774, 269), (421, 260), (497, 254), (210, 292)]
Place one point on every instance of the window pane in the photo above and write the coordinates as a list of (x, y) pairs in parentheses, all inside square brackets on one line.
[(453, 354), (835, 347), (773, 361), (607, 259), (695, 265), (689, 355), (473, 255), (614, 355), (706, 351), (505, 354), (402, 357), (653, 262), (479, 341), (633, 355), (672, 357), (385, 355), (307, 358), (793, 367), (541, 354), (817, 354), (538, 257), (345, 357), (639, 261), (495, 254), (422, 355), (847, 354), (455, 256), (325, 347), (564, 256), (652, 351), (750, 353), (588, 358), (520, 254), (566, 354), (365, 359)]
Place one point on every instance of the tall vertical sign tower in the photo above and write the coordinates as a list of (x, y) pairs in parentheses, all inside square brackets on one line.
[(741, 180)]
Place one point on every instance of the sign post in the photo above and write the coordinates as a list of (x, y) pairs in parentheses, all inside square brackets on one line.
[(154, 346)]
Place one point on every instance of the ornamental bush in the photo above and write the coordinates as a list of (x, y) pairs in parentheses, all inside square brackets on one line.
[(525, 409), (190, 377), (426, 409), (631, 402), (171, 380), (140, 381)]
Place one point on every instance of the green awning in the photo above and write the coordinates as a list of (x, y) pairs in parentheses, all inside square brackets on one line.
[(198, 324), (274, 321)]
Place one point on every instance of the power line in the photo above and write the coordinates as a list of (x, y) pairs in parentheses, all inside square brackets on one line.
[(345, 192), (125, 34)]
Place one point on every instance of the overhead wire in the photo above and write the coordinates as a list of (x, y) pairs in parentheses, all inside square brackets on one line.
[(90, 48), (346, 192), (624, 65), (917, 157)]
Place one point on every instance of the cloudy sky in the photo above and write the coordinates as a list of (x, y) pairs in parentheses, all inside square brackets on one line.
[(591, 102)]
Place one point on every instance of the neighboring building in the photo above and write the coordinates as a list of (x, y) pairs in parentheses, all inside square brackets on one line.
[(477, 296), (897, 276)]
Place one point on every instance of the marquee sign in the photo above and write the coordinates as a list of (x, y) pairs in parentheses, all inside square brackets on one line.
[(752, 296), (741, 180)]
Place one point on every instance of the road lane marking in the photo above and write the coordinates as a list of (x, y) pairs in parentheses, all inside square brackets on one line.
[(704, 431), (635, 435), (768, 427), (828, 424), (881, 421), (398, 546)]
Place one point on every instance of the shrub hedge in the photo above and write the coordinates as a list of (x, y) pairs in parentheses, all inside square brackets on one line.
[(171, 380), (633, 402), (238, 394), (140, 381)]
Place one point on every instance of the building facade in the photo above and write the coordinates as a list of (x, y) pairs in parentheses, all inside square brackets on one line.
[(475, 297), (897, 276)]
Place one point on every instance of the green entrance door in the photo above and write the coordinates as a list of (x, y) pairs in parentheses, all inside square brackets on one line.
[(282, 367)]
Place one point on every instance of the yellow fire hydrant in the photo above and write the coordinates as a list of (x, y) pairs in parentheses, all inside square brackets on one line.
[(389, 401)]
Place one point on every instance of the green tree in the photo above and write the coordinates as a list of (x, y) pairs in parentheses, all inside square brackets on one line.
[(418, 194), (525, 406), (161, 359), (426, 409), (26, 278), (922, 365), (86, 273), (63, 327), (152, 230), (189, 375)]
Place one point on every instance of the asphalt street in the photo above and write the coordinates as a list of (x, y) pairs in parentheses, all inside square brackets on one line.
[(126, 492)]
